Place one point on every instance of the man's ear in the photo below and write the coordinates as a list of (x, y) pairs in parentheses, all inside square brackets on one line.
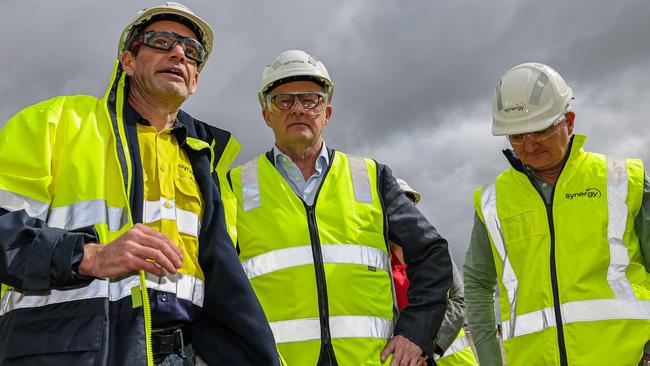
[(265, 114), (195, 83), (570, 119), (126, 60), (328, 113)]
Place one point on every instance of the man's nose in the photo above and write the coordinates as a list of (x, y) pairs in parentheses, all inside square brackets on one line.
[(530, 143), (177, 51), (296, 102)]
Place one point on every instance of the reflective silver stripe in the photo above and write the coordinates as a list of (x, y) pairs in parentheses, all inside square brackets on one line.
[(536, 93), (616, 223), (499, 99), (113, 290), (360, 179), (300, 330), (459, 344), (578, 311), (493, 225), (11, 201), (185, 287), (87, 213), (279, 259), (187, 221), (250, 185), (528, 323)]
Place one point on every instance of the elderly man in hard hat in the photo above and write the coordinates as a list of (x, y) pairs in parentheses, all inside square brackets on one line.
[(451, 346), (313, 226), (564, 232), (115, 249)]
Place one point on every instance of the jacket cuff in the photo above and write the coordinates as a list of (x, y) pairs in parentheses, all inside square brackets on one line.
[(67, 256), (417, 331)]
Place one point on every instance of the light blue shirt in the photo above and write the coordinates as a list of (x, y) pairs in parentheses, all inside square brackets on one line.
[(305, 189)]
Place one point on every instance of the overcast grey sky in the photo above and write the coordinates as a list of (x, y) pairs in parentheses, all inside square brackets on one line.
[(413, 79)]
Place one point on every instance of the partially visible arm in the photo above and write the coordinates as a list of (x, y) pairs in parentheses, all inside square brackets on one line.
[(455, 313), (33, 256), (642, 224), (480, 279), (428, 264), (642, 227)]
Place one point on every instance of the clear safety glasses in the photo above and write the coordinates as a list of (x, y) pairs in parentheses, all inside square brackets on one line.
[(311, 102), (165, 40), (538, 136)]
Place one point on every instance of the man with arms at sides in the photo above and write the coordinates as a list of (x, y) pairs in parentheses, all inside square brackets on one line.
[(564, 231), (115, 249), (313, 227)]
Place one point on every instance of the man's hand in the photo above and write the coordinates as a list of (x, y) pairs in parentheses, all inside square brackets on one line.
[(405, 352), (140, 248)]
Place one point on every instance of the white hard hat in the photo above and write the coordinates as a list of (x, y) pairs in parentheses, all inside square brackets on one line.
[(529, 97), (294, 65), (408, 190), (169, 11)]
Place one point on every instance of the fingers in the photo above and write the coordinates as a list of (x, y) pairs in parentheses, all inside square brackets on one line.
[(405, 352), (398, 353), (155, 233), (417, 361), (165, 253), (150, 267), (388, 349), (148, 254)]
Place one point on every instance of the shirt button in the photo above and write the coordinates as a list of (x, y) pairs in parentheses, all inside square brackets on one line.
[(544, 185), (163, 297), (162, 168), (168, 204)]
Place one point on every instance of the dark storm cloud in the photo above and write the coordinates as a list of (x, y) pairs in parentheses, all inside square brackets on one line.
[(413, 78)]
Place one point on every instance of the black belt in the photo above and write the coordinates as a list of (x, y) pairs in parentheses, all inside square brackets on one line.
[(170, 340)]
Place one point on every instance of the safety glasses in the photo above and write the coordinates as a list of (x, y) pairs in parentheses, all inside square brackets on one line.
[(311, 102), (538, 136), (165, 40)]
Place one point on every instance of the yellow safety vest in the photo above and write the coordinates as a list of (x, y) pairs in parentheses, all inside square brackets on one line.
[(573, 289), (321, 272), (459, 353)]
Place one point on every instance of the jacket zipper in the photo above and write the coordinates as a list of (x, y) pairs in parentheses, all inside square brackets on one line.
[(147, 317), (326, 357), (553, 267)]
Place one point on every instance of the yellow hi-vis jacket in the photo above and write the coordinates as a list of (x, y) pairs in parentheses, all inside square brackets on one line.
[(573, 289), (321, 272), (67, 178), (459, 353)]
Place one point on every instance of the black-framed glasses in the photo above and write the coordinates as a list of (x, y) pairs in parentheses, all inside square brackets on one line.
[(309, 101), (165, 40)]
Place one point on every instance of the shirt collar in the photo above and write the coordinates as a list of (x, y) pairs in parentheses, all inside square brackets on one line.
[(322, 160), (131, 116)]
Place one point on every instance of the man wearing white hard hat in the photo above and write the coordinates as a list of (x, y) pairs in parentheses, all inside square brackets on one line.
[(313, 226), (117, 220), (451, 346), (564, 232)]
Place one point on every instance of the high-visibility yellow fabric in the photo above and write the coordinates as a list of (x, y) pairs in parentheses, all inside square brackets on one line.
[(595, 331), (282, 222), (458, 357), (169, 180), (227, 196)]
